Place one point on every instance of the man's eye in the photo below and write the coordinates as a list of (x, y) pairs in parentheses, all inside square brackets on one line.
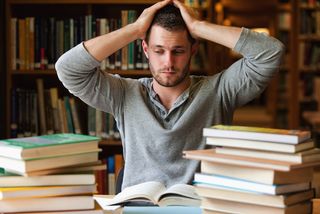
[(176, 52), (158, 51)]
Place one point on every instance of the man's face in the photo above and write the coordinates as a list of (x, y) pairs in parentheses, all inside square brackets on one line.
[(169, 55)]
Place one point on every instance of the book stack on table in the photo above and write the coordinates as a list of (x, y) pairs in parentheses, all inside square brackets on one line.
[(49, 173), (252, 169)]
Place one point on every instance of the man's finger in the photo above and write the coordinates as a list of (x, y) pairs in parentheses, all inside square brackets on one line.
[(160, 4), (177, 3)]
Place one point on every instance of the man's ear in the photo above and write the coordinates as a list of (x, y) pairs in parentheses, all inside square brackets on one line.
[(145, 48), (194, 48)]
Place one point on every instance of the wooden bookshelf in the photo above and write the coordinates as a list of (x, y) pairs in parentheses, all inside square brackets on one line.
[(23, 72), (25, 76), (304, 67), (251, 14), (2, 69)]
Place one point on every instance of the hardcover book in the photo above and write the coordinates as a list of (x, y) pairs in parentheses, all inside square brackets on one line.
[(232, 183), (254, 174), (23, 167), (63, 203), (281, 201), (305, 156), (257, 133), (215, 205), (211, 156), (13, 180), (45, 191), (260, 145), (47, 145)]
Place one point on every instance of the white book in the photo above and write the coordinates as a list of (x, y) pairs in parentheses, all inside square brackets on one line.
[(223, 206), (281, 201), (229, 182), (25, 166), (306, 156), (254, 174), (259, 145)]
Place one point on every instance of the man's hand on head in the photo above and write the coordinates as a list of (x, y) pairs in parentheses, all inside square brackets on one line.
[(189, 16), (145, 19)]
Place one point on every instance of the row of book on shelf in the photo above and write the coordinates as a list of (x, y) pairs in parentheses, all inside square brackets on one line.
[(46, 173), (42, 111), (31, 50), (310, 22)]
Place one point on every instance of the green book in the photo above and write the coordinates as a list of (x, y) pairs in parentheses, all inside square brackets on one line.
[(47, 145)]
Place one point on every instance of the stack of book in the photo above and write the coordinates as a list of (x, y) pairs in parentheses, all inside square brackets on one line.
[(49, 173), (254, 169)]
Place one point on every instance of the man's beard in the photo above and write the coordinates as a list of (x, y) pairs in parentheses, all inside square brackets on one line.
[(177, 81)]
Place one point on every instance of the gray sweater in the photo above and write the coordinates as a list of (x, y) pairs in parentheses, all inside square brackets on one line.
[(152, 137)]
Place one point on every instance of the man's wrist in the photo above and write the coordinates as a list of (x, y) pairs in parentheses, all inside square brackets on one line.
[(195, 28), (136, 31)]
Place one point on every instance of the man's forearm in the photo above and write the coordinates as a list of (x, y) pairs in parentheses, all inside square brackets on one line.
[(223, 35), (103, 46)]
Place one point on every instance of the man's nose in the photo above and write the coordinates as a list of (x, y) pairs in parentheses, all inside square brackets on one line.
[(169, 59)]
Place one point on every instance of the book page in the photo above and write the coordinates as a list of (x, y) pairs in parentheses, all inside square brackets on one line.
[(144, 191), (180, 195), (183, 190)]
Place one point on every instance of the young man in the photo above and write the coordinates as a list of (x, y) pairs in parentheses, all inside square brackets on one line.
[(159, 117)]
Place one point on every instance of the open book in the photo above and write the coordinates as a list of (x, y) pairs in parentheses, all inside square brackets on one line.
[(157, 194)]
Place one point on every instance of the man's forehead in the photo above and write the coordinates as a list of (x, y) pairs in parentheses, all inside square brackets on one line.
[(159, 36)]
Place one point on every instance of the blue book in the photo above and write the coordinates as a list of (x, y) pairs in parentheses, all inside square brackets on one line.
[(232, 183), (161, 210)]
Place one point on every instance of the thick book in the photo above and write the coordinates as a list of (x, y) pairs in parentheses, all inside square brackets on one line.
[(47, 145), (257, 133), (232, 183), (215, 205), (63, 203), (157, 194), (260, 145), (23, 167), (265, 176), (12, 180), (306, 156), (45, 191), (281, 201), (211, 156)]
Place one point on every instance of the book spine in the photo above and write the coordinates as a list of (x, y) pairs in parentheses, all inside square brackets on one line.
[(41, 106)]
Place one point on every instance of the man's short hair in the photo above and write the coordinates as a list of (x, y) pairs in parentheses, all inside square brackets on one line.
[(170, 18)]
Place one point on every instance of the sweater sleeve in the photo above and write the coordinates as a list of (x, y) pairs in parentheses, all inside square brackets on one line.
[(249, 76), (79, 73)]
